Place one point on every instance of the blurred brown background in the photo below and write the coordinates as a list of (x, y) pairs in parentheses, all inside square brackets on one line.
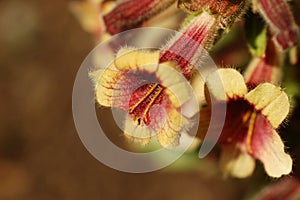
[(41, 155)]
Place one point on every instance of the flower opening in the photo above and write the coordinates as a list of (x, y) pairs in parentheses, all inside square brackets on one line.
[(250, 126), (151, 93)]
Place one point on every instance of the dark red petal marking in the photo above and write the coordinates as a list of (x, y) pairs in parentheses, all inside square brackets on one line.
[(142, 100), (237, 119), (262, 130), (125, 87), (244, 124), (132, 13)]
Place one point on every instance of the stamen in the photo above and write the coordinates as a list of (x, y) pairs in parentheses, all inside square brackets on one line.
[(145, 103), (250, 132), (132, 108), (155, 95)]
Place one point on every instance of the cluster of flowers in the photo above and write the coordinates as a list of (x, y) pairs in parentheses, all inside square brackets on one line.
[(256, 105)]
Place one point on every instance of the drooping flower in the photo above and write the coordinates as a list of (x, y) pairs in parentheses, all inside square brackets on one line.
[(152, 93), (278, 16), (134, 78), (133, 13), (249, 131), (188, 49), (265, 68), (143, 83), (112, 17)]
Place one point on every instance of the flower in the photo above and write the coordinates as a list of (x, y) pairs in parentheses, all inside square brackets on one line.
[(152, 93), (249, 131), (143, 82), (133, 13), (187, 49), (265, 68), (89, 14), (278, 16), (112, 17), (129, 85)]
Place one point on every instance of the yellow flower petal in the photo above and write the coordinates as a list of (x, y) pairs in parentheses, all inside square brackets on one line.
[(169, 134), (186, 139), (129, 59), (168, 74), (226, 80), (277, 111), (198, 87), (105, 83), (236, 163), (178, 94), (177, 87), (263, 95), (135, 133), (147, 58), (273, 102)]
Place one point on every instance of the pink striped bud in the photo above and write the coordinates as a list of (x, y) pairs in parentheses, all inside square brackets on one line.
[(281, 21), (266, 68), (185, 49), (132, 13)]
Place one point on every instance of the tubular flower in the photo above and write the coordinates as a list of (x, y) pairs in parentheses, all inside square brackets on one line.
[(186, 50), (277, 14), (133, 13), (249, 131), (152, 93), (142, 82), (89, 14), (266, 68)]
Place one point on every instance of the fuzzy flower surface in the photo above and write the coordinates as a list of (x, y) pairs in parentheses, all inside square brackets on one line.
[(249, 131), (152, 93), (281, 21), (133, 13)]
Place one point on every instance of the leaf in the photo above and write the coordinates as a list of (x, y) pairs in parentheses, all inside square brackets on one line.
[(256, 35)]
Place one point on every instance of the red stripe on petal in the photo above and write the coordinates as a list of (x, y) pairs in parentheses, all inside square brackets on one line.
[(264, 69), (281, 21), (262, 73), (132, 13), (186, 50), (142, 100)]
